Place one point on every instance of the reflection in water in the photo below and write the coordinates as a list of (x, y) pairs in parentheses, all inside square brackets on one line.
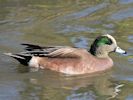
[(60, 87), (82, 96)]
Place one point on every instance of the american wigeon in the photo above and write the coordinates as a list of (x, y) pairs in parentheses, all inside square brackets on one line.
[(70, 60)]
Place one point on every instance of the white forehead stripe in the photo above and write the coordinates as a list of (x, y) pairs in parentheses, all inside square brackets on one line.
[(109, 36)]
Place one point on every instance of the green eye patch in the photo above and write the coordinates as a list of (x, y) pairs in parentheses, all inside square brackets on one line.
[(103, 40)]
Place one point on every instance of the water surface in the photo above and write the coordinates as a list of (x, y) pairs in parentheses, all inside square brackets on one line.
[(61, 22)]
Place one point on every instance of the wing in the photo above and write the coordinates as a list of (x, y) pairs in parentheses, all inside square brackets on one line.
[(53, 51)]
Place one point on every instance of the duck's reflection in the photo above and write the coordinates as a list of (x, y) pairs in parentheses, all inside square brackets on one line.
[(48, 85)]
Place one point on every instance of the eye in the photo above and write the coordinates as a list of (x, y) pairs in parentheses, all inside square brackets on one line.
[(109, 42)]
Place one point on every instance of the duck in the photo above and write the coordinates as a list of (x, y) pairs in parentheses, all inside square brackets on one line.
[(70, 60)]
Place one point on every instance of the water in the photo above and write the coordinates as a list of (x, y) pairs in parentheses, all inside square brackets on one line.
[(61, 22)]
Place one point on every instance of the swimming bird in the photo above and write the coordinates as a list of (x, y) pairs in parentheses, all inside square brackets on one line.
[(70, 60)]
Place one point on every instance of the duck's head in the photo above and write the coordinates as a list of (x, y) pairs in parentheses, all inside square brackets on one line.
[(103, 45)]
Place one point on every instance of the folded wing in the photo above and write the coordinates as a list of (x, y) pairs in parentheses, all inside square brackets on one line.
[(52, 51)]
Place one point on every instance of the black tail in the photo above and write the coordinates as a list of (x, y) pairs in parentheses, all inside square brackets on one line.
[(23, 59)]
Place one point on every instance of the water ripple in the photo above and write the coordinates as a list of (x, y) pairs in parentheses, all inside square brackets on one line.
[(81, 42), (130, 97), (81, 28), (85, 12), (121, 15), (130, 38), (77, 28), (125, 1)]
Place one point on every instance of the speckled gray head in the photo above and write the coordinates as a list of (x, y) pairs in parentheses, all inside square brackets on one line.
[(105, 44)]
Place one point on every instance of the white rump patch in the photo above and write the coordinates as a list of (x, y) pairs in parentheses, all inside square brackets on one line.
[(34, 62)]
